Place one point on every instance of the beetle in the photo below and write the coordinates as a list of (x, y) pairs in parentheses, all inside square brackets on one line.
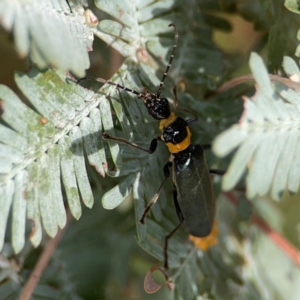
[(193, 195)]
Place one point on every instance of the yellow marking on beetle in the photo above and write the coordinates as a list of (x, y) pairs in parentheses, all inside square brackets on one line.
[(175, 148), (163, 124), (208, 241)]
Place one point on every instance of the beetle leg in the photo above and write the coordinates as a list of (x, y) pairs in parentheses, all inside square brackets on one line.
[(151, 149), (189, 121), (177, 207), (155, 197), (206, 146), (217, 171), (181, 220)]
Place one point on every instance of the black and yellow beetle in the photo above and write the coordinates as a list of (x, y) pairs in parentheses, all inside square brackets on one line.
[(193, 195)]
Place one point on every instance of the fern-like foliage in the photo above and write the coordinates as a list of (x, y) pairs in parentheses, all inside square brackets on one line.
[(267, 135), (51, 32), (144, 25), (44, 146), (36, 152)]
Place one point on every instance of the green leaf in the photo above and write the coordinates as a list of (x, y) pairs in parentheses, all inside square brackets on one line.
[(33, 205), (51, 32), (79, 165), (116, 196), (6, 198), (269, 118), (142, 26), (91, 132), (57, 197), (263, 270), (47, 146), (291, 68), (19, 212), (292, 5), (45, 194)]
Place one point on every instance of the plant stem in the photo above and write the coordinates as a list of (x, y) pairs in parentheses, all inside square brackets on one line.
[(41, 264)]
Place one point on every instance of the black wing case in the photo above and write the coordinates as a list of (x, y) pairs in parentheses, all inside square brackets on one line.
[(194, 190)]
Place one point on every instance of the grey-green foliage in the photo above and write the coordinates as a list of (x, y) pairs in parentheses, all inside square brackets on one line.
[(292, 5), (51, 32), (146, 23), (43, 156), (267, 136), (36, 151)]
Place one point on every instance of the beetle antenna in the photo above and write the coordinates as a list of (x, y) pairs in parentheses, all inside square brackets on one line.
[(170, 60), (111, 83)]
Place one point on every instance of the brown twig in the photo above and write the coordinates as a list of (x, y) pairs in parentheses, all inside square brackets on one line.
[(275, 236), (278, 239), (246, 78), (41, 265)]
